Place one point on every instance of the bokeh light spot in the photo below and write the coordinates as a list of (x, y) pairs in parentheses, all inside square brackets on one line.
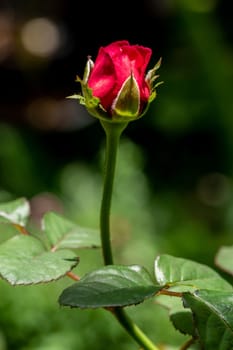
[(41, 37)]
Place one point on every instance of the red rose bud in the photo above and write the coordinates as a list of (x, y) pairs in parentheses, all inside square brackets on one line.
[(116, 87)]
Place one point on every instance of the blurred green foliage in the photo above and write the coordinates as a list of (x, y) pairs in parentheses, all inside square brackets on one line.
[(173, 191)]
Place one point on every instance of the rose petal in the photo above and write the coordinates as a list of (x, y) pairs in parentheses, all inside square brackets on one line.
[(103, 78)]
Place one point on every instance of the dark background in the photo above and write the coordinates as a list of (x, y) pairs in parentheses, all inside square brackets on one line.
[(185, 132)]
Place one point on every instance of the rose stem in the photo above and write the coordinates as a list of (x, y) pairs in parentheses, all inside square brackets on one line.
[(113, 132), (135, 332)]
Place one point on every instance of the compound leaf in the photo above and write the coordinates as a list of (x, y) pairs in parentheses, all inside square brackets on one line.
[(24, 260), (63, 233), (213, 318), (110, 286), (187, 274), (16, 212)]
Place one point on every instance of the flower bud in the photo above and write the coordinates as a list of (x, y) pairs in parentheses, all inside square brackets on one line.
[(116, 87)]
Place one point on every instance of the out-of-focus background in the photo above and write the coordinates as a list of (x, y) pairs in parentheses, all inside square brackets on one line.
[(174, 183)]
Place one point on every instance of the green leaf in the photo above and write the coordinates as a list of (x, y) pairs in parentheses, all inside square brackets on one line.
[(224, 259), (24, 260), (63, 233), (187, 274), (110, 286), (16, 212), (180, 317), (213, 318), (183, 321)]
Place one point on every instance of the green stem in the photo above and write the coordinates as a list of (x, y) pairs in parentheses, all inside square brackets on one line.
[(113, 132), (134, 330)]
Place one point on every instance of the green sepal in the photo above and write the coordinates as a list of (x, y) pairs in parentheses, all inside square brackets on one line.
[(151, 98), (127, 102), (151, 75), (90, 100), (87, 70), (77, 97), (87, 99)]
